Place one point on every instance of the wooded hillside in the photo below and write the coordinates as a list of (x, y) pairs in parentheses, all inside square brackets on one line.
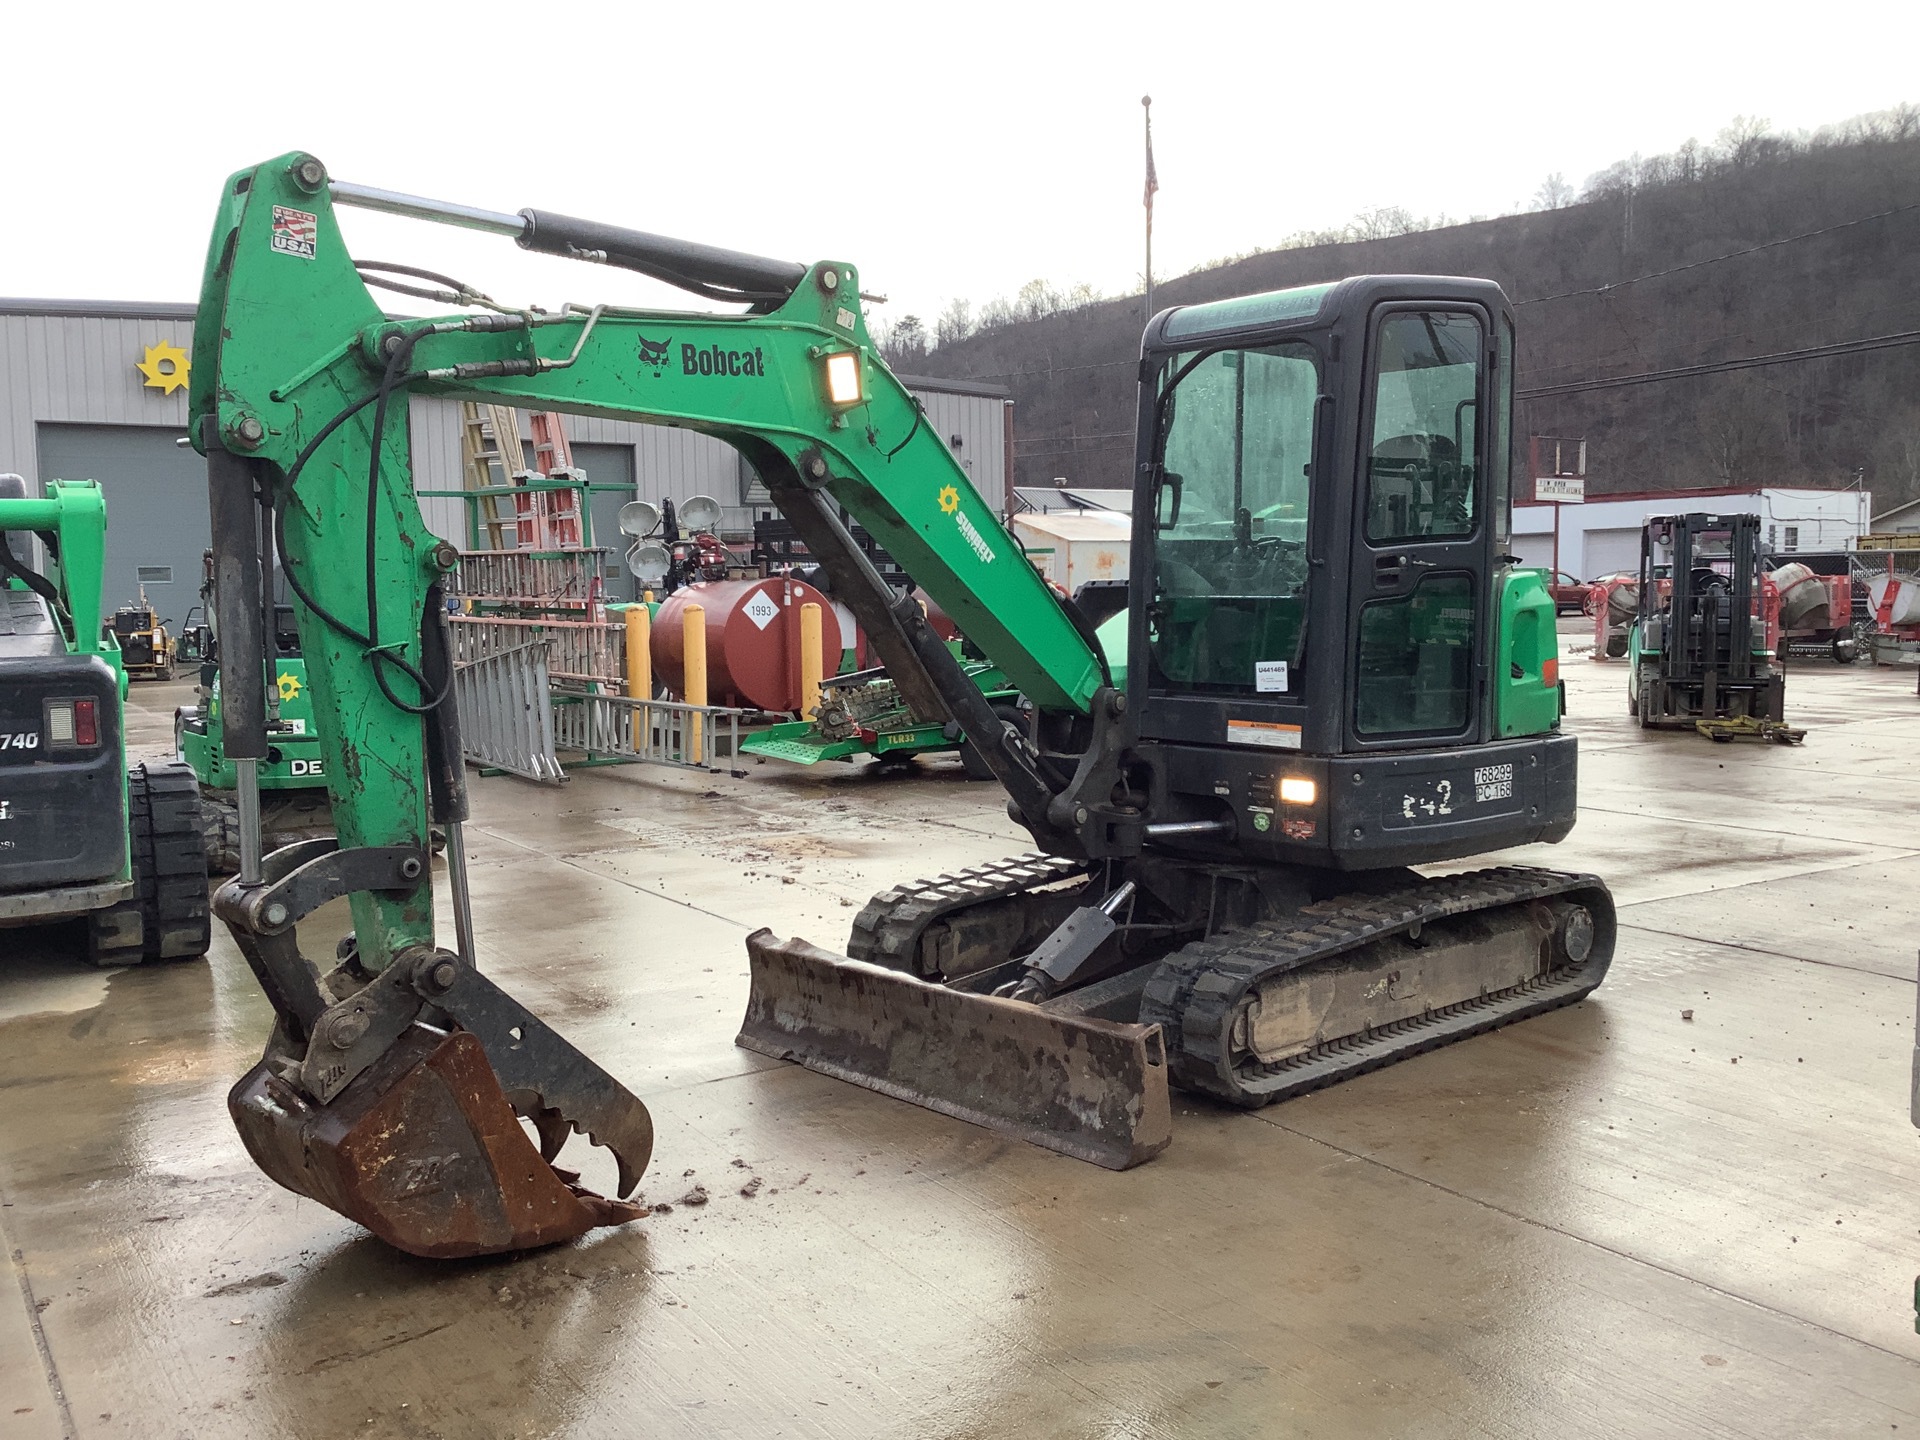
[(1641, 274)]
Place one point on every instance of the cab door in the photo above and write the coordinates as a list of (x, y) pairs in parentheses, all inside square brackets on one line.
[(1422, 526)]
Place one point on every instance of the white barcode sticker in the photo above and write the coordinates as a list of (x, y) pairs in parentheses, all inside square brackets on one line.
[(1270, 675)]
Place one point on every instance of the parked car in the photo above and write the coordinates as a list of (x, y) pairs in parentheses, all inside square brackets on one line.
[(1569, 594)]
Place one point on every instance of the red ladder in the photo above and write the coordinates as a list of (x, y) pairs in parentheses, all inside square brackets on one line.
[(550, 519)]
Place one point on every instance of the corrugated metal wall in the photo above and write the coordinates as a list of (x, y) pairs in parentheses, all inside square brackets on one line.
[(79, 372), (979, 422), (79, 369)]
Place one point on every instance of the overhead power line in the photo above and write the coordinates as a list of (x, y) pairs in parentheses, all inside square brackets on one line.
[(1721, 367)]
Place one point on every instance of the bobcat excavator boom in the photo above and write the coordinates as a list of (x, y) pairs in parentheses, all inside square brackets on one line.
[(1328, 672)]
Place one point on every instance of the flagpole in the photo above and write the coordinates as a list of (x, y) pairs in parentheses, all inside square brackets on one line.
[(1146, 104)]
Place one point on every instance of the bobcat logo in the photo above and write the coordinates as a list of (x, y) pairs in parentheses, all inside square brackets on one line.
[(654, 353)]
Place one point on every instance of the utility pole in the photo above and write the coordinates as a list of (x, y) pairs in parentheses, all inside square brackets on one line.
[(1153, 184)]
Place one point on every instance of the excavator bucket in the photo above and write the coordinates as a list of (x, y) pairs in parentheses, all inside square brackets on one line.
[(1093, 1089), (424, 1149)]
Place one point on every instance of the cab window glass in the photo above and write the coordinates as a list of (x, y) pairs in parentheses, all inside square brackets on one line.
[(1420, 462), (1230, 550)]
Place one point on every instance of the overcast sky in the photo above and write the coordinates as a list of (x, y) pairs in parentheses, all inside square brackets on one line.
[(946, 149)]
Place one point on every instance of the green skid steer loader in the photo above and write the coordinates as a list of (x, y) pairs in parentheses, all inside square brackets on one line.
[(81, 834)]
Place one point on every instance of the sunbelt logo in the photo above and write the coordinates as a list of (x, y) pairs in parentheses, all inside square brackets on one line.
[(950, 502)]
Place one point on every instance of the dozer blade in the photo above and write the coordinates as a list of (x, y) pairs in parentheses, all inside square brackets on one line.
[(1092, 1089), (424, 1150)]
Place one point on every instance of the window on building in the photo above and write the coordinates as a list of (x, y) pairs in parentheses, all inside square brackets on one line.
[(1792, 537)]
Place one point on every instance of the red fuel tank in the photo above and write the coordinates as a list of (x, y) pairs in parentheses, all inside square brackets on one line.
[(753, 639)]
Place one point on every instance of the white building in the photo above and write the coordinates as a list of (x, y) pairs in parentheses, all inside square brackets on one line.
[(1602, 535)]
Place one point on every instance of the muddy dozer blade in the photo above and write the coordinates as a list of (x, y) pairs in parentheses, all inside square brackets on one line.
[(423, 1149), (1092, 1089)]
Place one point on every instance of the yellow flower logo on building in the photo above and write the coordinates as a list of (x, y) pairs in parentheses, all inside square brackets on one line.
[(289, 686), (165, 367), (949, 499)]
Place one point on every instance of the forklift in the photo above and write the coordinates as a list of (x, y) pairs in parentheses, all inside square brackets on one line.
[(1697, 650)]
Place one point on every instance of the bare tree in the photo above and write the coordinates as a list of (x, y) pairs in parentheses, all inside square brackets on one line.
[(1554, 193), (955, 323), (904, 343), (1737, 428), (1747, 141), (1687, 161), (1036, 299), (1382, 222)]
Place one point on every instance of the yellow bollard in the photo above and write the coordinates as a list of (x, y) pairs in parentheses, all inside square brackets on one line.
[(695, 661), (809, 660), (639, 669)]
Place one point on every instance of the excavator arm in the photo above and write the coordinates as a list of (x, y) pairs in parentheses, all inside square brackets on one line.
[(390, 1086), (796, 386)]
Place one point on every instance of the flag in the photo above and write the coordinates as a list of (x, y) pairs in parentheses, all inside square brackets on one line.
[(1153, 180)]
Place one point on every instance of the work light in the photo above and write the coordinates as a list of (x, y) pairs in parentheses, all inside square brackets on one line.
[(843, 378)]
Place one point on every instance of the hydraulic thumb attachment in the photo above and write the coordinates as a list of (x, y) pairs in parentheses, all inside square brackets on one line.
[(393, 1098)]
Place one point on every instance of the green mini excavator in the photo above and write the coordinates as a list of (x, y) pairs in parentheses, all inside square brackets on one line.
[(1329, 671)]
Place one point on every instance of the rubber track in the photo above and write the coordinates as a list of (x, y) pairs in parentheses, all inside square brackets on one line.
[(170, 862), (888, 930), (1196, 992)]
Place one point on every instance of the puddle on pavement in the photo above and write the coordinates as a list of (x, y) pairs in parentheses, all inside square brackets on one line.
[(47, 973)]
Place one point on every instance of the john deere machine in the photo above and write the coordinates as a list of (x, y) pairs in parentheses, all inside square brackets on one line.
[(291, 775), (82, 835), (1329, 672)]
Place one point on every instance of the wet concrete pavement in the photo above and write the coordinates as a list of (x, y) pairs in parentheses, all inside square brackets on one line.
[(1608, 1221)]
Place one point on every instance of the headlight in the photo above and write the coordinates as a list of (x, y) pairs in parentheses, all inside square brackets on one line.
[(1297, 790), (843, 378)]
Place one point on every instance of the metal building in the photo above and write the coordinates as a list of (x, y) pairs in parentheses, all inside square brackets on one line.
[(96, 390)]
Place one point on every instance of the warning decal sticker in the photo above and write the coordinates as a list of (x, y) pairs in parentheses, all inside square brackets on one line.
[(761, 610), (1261, 732)]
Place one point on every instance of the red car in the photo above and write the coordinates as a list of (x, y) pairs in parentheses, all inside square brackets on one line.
[(1569, 594)]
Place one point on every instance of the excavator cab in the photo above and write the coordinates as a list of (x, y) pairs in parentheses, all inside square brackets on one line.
[(1323, 516)]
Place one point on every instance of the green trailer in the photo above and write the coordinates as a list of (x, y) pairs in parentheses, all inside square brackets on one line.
[(82, 834), (863, 713)]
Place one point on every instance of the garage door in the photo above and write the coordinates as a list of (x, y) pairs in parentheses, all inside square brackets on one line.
[(610, 465), (1610, 550), (156, 508), (1534, 550)]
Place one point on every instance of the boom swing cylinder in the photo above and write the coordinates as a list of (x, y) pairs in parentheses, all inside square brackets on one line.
[(1327, 672)]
